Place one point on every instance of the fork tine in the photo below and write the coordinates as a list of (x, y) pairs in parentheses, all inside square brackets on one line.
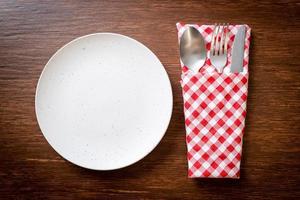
[(212, 45), (217, 46), (226, 38), (222, 39)]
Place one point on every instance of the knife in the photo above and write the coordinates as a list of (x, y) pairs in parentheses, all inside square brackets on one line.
[(238, 50)]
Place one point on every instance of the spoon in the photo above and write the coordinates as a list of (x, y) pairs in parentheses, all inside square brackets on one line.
[(192, 49)]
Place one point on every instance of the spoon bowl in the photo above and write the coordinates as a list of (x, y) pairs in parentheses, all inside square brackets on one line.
[(192, 49)]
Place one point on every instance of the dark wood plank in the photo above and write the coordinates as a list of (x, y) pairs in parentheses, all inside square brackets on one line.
[(31, 31)]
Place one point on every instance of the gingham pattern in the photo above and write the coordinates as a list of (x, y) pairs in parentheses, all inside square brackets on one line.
[(215, 111)]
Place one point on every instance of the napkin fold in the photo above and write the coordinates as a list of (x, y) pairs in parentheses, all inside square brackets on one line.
[(215, 111)]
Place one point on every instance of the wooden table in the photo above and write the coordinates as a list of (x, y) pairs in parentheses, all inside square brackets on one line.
[(31, 31)]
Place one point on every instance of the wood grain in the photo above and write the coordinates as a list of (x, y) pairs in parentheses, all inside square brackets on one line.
[(32, 30)]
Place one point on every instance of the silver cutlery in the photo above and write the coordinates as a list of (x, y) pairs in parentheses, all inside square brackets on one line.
[(192, 49), (218, 49), (238, 50)]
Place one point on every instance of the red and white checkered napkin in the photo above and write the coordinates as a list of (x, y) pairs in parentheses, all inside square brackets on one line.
[(215, 111)]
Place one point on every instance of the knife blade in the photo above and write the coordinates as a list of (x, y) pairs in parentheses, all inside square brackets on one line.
[(238, 50)]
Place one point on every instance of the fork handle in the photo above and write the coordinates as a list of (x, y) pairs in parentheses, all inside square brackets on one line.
[(219, 70)]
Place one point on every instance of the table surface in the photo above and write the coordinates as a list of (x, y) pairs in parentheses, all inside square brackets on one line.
[(31, 31)]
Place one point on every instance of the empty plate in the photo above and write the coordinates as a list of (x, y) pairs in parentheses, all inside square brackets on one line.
[(103, 101)]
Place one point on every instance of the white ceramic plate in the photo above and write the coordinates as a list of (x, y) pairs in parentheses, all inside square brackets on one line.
[(103, 101)]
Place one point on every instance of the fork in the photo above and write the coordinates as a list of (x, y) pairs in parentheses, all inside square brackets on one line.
[(218, 48)]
